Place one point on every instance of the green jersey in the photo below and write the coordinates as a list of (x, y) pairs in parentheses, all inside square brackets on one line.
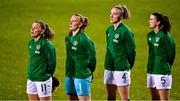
[(120, 53), (81, 56), (42, 61), (161, 53)]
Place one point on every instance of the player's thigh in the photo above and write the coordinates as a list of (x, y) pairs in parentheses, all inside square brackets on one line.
[(111, 90), (124, 92), (164, 94), (33, 97), (70, 87), (48, 98)]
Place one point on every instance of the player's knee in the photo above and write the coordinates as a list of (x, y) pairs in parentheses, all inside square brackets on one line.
[(124, 98)]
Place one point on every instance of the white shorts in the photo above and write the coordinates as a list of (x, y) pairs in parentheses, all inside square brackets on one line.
[(159, 81), (118, 78), (42, 88)]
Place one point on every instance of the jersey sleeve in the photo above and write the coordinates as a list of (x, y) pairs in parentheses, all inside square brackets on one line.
[(171, 49), (130, 45), (108, 63), (151, 57), (51, 54), (69, 61), (91, 54)]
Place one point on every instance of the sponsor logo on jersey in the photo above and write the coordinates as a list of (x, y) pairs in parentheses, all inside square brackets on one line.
[(115, 41), (75, 43), (37, 49), (156, 44), (116, 36), (37, 52), (157, 40), (74, 48)]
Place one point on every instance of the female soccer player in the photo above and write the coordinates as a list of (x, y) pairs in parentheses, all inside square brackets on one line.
[(120, 54), (161, 57), (80, 60), (42, 62)]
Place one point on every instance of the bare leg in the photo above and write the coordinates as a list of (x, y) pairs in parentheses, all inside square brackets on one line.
[(84, 98), (73, 98), (154, 94), (111, 91), (45, 98), (164, 94), (33, 97), (124, 92)]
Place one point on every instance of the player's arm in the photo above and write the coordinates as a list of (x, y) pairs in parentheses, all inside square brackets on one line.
[(131, 49), (90, 48), (51, 54), (171, 49)]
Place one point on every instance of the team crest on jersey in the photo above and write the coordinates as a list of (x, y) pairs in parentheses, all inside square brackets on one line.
[(38, 47), (75, 43), (116, 36), (157, 39)]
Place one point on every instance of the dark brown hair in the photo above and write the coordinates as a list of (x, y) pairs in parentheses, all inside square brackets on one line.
[(164, 25), (48, 32)]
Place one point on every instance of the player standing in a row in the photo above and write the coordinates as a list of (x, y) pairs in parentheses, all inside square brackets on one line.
[(161, 57), (80, 60), (42, 62), (120, 54)]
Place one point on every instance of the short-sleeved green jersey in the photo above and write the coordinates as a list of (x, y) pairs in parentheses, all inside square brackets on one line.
[(42, 61), (81, 56), (162, 52), (120, 53)]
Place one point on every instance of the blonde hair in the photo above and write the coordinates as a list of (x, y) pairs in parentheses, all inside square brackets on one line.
[(83, 20), (125, 13)]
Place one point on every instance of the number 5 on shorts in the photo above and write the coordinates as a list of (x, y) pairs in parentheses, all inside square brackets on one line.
[(163, 81)]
